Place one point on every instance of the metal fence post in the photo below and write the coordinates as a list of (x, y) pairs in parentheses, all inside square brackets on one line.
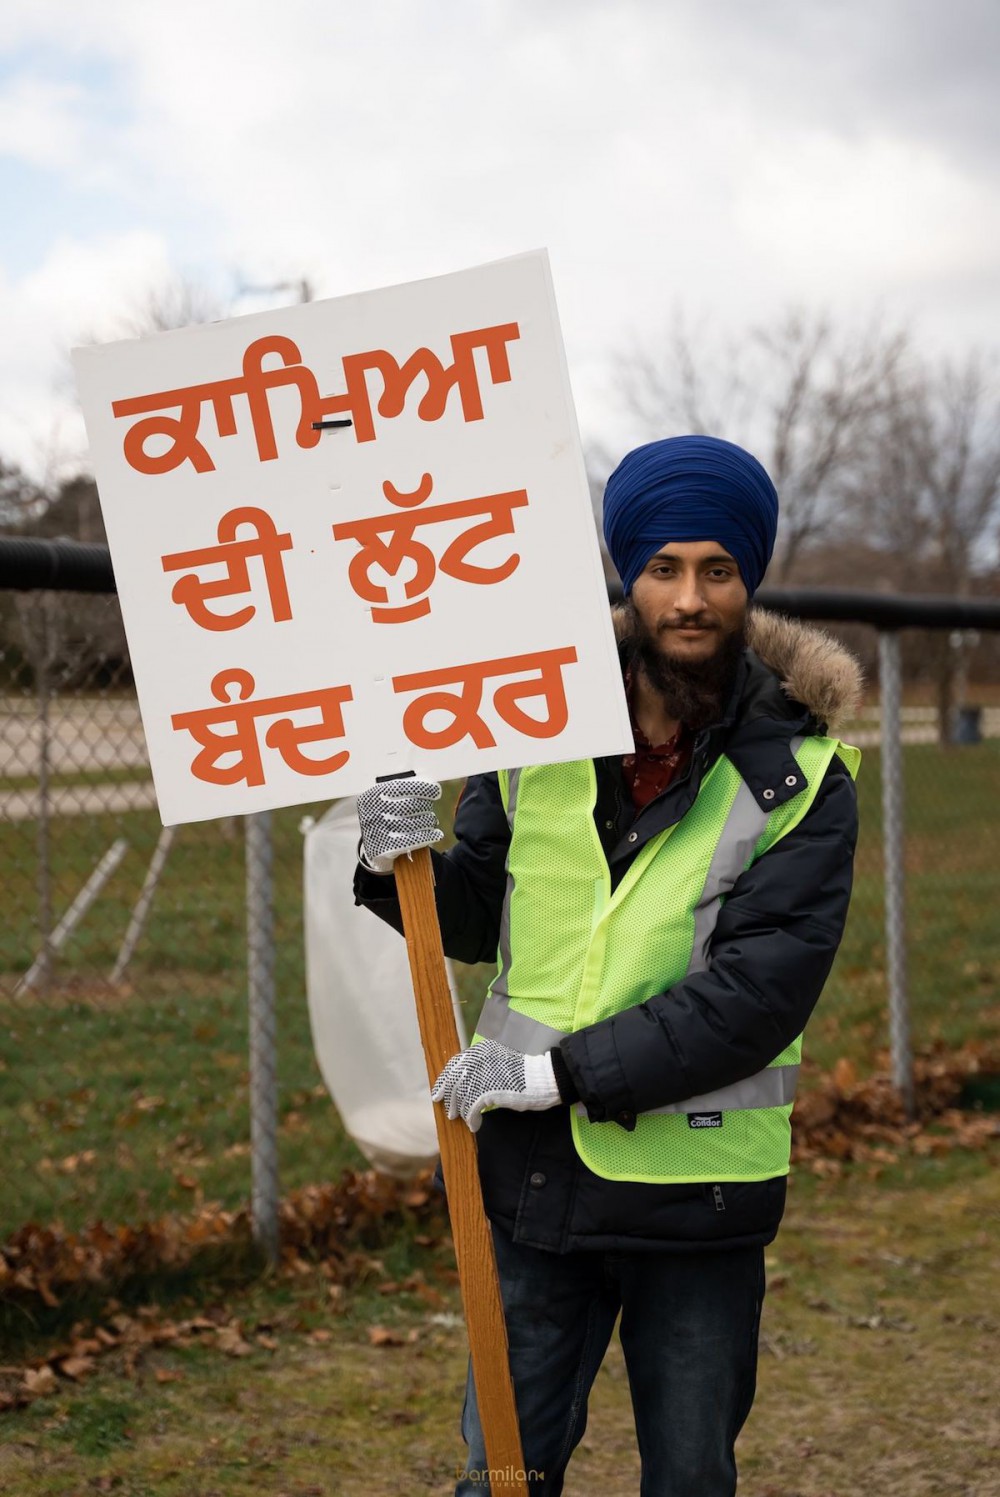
[(890, 679), (263, 1056)]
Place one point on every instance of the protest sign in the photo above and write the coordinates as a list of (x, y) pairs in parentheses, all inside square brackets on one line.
[(353, 538)]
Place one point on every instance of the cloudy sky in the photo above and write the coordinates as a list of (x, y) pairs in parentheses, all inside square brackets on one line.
[(724, 158)]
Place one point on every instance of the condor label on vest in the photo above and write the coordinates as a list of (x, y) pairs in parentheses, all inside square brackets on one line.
[(704, 1119)]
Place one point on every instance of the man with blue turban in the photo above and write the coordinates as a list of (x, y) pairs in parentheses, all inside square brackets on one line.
[(663, 925)]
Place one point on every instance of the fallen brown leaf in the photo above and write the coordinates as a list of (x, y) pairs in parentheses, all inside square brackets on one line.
[(39, 1380), (85, 1346), (380, 1335), (230, 1340), (74, 1162), (844, 1075)]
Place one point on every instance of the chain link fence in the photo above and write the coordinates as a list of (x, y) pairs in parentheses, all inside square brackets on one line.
[(135, 1040), (125, 1042)]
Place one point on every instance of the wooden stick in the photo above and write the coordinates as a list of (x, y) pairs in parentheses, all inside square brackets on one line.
[(477, 1269)]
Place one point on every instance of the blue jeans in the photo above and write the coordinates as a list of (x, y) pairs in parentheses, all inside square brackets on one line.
[(689, 1326)]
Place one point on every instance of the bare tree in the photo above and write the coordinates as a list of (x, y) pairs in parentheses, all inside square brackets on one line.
[(930, 489), (175, 303), (806, 399), (21, 499), (956, 432)]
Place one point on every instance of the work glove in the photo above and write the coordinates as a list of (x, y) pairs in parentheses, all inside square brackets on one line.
[(397, 816), (489, 1074)]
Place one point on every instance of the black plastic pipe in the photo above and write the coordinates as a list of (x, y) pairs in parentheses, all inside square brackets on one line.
[(69, 566), (884, 610), (836, 605), (60, 565)]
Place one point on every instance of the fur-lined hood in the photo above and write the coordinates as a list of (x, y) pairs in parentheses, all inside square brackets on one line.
[(814, 668)]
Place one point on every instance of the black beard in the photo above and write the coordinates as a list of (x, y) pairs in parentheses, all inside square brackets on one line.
[(694, 692)]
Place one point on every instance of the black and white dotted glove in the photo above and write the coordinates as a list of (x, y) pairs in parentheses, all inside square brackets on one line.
[(397, 816), (489, 1074)]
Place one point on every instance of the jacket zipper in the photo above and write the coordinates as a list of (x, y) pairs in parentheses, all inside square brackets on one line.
[(720, 1204)]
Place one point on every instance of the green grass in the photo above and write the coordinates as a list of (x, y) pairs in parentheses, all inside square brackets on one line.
[(953, 892), (126, 1104), (103, 1423), (877, 1373), (133, 1102), (82, 777)]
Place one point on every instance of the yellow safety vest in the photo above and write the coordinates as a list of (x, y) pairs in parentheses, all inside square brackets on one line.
[(572, 952)]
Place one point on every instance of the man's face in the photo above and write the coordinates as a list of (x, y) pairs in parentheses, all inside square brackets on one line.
[(690, 599)]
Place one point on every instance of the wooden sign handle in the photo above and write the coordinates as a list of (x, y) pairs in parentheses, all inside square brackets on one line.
[(477, 1269)]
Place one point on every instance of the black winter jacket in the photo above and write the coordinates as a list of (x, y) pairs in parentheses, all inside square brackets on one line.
[(773, 946)]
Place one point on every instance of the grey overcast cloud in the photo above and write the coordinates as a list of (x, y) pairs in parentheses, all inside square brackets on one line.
[(720, 160)]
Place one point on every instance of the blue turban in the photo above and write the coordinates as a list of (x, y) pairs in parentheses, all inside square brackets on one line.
[(690, 489)]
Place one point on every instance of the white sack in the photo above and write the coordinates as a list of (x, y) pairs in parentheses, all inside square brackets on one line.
[(361, 1007)]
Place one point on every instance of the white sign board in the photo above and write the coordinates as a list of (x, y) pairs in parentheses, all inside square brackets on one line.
[(353, 538)]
